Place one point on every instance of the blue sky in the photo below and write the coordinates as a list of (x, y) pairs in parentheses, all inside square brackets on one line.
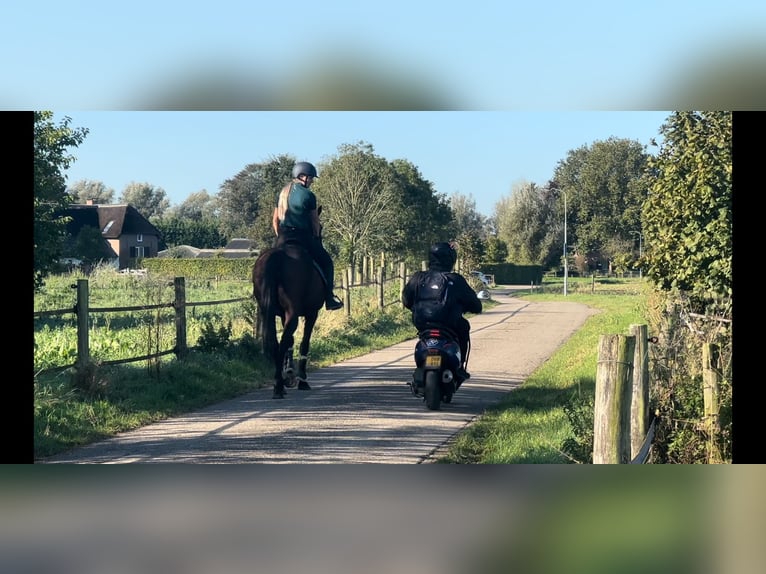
[(484, 55), (544, 63), (481, 154)]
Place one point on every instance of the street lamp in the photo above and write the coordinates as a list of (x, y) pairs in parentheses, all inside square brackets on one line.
[(640, 250), (566, 270)]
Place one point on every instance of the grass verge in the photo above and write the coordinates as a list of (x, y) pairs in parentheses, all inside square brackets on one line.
[(532, 423)]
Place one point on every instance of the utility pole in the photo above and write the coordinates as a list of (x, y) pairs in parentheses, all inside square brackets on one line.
[(566, 269), (640, 249)]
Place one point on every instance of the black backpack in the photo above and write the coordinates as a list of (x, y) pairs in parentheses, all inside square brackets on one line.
[(431, 299)]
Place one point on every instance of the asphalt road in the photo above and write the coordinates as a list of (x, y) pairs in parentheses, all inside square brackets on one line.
[(358, 411)]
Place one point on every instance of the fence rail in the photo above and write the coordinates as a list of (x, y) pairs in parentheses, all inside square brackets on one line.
[(82, 310)]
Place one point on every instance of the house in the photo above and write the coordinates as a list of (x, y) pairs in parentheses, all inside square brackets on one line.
[(127, 234)]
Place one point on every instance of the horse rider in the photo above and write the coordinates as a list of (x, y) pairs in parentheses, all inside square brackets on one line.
[(296, 219), (429, 311)]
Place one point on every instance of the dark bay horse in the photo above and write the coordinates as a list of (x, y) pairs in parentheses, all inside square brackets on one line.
[(287, 284)]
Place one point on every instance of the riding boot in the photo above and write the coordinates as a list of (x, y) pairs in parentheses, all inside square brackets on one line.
[(332, 302)]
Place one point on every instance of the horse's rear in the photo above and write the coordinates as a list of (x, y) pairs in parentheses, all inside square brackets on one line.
[(286, 284)]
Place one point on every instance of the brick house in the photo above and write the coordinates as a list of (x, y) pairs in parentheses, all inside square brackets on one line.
[(127, 234)]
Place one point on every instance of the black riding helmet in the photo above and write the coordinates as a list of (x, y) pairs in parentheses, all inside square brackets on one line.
[(304, 168), (442, 256)]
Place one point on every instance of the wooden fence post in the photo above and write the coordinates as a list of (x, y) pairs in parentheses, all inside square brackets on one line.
[(424, 265), (611, 412), (83, 348), (347, 290), (366, 270), (639, 399), (381, 278), (179, 304), (402, 277), (710, 389)]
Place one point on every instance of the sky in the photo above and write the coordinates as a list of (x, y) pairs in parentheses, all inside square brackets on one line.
[(478, 154), (483, 55), (522, 76)]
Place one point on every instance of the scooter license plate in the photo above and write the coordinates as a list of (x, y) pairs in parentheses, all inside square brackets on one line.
[(433, 361)]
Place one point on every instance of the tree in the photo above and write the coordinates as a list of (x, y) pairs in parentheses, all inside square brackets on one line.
[(51, 159), (150, 201), (89, 246), (247, 200), (203, 233), (467, 230), (85, 189), (197, 205), (425, 217), (496, 252), (360, 199), (526, 223), (687, 216), (605, 188)]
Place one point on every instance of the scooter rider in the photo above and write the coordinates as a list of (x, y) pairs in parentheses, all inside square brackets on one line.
[(458, 298)]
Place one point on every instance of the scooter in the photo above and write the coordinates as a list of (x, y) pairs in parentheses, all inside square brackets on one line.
[(437, 360)]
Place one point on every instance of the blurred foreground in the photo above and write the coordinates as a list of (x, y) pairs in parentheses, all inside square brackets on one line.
[(383, 519)]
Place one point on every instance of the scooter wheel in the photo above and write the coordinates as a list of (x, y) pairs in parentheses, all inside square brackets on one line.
[(433, 390)]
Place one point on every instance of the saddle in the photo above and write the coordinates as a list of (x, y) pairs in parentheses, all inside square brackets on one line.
[(297, 244)]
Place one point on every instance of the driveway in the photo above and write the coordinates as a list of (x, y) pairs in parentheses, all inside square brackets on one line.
[(358, 411)]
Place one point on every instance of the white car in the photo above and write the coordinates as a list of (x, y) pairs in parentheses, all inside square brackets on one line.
[(481, 277)]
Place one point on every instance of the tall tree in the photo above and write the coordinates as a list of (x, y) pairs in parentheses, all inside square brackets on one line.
[(247, 200), (150, 201), (468, 230), (525, 222), (360, 199), (496, 252), (425, 217), (87, 189), (687, 216), (51, 160), (605, 188)]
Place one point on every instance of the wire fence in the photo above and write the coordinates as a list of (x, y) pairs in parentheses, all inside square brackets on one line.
[(386, 291)]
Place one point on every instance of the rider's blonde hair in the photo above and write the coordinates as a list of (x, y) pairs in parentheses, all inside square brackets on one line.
[(282, 202)]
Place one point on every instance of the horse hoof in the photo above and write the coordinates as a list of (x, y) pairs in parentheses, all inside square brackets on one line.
[(304, 386), (290, 383), (277, 395)]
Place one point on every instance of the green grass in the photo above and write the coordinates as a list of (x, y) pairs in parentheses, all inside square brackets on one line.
[(531, 424)]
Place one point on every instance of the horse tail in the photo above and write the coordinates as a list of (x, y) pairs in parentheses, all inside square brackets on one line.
[(267, 326)]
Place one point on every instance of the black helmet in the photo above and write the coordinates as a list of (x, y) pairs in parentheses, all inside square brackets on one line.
[(443, 256), (304, 168)]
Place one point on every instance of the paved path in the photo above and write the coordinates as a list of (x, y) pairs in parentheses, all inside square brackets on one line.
[(358, 411)]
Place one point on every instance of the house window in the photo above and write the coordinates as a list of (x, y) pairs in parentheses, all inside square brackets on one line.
[(137, 251), (108, 226), (140, 237)]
